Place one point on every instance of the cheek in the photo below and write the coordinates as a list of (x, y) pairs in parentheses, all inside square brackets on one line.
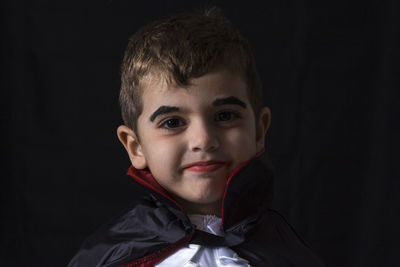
[(243, 135), (163, 156), (241, 143)]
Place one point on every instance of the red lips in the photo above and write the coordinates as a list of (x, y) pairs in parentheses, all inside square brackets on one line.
[(204, 166)]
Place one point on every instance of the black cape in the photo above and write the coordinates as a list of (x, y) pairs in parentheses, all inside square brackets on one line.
[(155, 226)]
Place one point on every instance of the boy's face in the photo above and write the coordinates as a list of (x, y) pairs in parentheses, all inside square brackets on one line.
[(192, 139)]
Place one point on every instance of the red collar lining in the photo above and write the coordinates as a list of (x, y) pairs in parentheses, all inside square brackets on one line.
[(145, 178), (230, 178)]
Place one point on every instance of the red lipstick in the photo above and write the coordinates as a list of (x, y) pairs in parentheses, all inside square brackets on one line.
[(204, 166)]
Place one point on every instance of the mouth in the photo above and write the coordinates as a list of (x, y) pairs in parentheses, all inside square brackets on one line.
[(204, 166)]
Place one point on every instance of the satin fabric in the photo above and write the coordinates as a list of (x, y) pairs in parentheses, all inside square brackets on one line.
[(203, 256)]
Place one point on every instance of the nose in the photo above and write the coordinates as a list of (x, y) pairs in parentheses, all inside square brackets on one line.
[(202, 137)]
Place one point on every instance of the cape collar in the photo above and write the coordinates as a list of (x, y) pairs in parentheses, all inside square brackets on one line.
[(240, 185), (145, 178)]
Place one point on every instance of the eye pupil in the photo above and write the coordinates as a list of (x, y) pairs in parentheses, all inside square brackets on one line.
[(172, 123), (224, 116)]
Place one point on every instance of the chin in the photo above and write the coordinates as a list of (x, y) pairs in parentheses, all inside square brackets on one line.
[(207, 199)]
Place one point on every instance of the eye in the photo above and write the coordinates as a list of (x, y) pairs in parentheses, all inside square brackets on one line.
[(172, 123), (226, 116)]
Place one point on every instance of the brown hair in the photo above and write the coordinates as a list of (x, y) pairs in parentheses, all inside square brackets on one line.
[(183, 47)]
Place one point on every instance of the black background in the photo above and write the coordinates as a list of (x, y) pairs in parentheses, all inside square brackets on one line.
[(331, 76)]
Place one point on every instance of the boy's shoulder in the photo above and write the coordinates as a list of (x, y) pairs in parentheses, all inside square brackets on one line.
[(145, 227), (275, 241)]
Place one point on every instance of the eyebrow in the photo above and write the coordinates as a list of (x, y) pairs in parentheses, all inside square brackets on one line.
[(231, 100), (162, 110)]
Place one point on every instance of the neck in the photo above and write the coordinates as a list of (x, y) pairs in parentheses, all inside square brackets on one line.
[(214, 208)]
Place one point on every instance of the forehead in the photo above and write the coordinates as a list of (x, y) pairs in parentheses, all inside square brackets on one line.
[(157, 90)]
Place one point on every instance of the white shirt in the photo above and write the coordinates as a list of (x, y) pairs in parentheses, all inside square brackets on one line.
[(202, 256)]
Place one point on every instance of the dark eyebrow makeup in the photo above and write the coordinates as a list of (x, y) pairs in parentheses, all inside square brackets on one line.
[(162, 110), (228, 101), (231, 100)]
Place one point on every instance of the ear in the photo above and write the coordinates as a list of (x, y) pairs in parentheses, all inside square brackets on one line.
[(131, 143), (262, 126)]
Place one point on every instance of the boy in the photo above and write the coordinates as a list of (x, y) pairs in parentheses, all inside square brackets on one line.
[(194, 131)]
